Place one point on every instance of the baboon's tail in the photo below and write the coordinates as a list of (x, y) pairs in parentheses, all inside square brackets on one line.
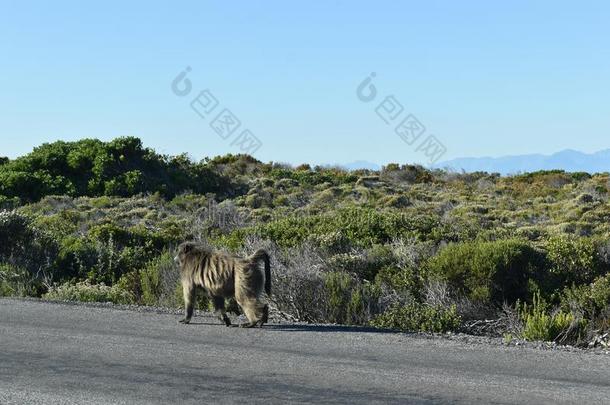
[(263, 255)]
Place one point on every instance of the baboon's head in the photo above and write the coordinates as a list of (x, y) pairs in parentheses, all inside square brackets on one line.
[(183, 251)]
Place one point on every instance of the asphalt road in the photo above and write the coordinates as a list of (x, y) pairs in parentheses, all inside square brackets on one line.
[(69, 354)]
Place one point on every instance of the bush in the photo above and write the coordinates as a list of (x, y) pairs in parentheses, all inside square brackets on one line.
[(349, 301), (131, 282), (7, 203), (107, 252), (75, 259), (298, 283), (98, 260), (362, 227), (600, 292), (332, 243), (60, 225), (538, 324), (406, 282), (17, 282), (365, 264), (86, 292), (348, 262), (160, 281), (494, 272), (574, 260), (592, 299), (122, 167), (406, 174), (24, 245), (419, 317)]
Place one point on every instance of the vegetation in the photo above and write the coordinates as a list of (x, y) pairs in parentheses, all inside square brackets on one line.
[(539, 324), (404, 248), (419, 317), (86, 292), (90, 167)]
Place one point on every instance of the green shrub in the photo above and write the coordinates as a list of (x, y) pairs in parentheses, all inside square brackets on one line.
[(538, 324), (600, 292), (592, 298), (15, 230), (126, 184), (419, 317), (404, 281), (361, 226), (86, 292), (131, 282), (96, 260), (332, 242), (574, 260), (8, 203), (121, 167), (109, 251), (76, 257), (17, 282), (25, 245), (158, 281), (377, 257), (406, 173), (347, 262), (60, 225), (103, 202), (349, 301), (395, 201), (232, 241), (159, 284), (314, 177), (495, 271), (364, 264)]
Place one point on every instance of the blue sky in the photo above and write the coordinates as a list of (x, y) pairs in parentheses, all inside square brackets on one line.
[(487, 79)]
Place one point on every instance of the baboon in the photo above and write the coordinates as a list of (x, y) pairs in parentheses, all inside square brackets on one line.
[(224, 276)]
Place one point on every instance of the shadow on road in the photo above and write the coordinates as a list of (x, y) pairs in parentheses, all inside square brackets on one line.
[(324, 328), (206, 323)]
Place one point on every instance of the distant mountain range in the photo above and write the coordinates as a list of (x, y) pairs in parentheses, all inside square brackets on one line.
[(361, 164), (568, 160)]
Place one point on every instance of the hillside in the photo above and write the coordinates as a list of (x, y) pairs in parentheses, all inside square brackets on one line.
[(403, 247)]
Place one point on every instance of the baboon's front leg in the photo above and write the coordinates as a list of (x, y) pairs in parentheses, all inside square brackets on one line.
[(188, 290), (219, 310)]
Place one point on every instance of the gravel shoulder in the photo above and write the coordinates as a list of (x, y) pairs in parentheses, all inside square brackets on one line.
[(52, 353)]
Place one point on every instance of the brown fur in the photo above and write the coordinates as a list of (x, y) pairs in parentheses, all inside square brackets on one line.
[(224, 276)]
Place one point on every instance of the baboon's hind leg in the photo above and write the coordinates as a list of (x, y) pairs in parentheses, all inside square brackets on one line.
[(219, 310), (265, 318), (256, 313)]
